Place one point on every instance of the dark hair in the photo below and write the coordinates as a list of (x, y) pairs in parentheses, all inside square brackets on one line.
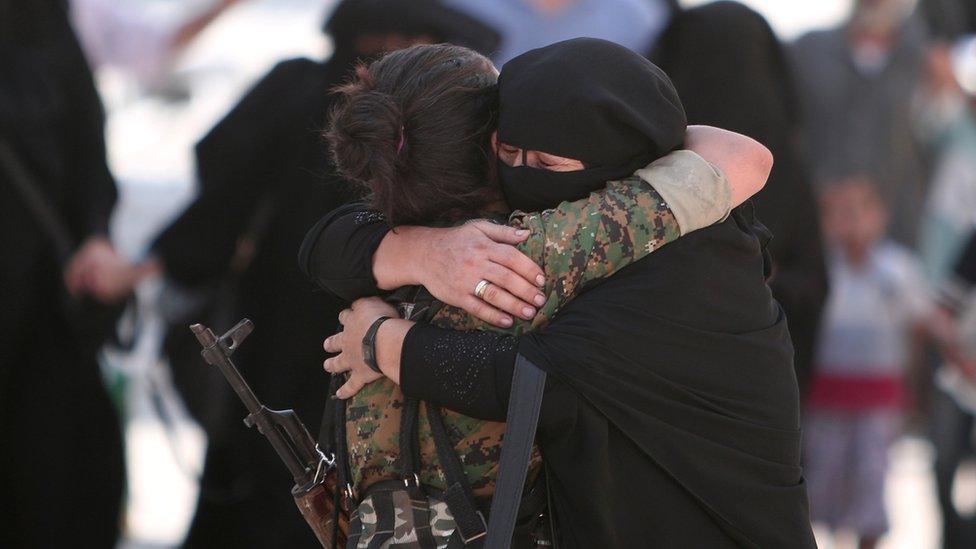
[(414, 127)]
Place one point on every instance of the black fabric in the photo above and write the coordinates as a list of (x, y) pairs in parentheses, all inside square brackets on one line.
[(586, 99), (409, 449), (352, 19), (731, 72), (948, 20), (686, 355), (337, 252), (490, 362), (965, 268), (62, 443)]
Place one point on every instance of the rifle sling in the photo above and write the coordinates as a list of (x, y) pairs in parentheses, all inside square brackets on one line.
[(524, 405)]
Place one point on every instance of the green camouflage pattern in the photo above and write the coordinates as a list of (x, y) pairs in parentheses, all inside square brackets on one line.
[(411, 517), (575, 243)]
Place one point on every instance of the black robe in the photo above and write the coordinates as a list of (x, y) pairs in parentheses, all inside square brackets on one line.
[(264, 164), (731, 72), (61, 461), (675, 419)]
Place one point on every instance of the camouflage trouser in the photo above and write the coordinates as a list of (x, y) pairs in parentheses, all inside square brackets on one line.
[(390, 516), (393, 516)]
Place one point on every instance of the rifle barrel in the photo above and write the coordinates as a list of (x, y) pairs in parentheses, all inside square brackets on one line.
[(217, 353), (211, 343)]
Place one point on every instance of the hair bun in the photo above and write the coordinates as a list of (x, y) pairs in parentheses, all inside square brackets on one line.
[(365, 132)]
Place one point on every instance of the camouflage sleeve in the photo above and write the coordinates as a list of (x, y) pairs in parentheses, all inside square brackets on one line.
[(592, 238), (589, 239)]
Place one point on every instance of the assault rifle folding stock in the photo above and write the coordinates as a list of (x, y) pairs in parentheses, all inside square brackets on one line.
[(312, 471)]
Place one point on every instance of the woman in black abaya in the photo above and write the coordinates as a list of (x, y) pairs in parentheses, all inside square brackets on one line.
[(61, 462), (731, 71)]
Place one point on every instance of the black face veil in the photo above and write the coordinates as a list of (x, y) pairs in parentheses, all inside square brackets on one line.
[(587, 99)]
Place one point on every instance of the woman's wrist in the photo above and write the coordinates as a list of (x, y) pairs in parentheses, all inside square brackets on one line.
[(389, 346), (399, 259)]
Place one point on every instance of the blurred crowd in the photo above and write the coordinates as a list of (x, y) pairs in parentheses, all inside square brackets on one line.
[(872, 204)]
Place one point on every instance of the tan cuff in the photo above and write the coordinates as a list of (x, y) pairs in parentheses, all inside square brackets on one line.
[(697, 192)]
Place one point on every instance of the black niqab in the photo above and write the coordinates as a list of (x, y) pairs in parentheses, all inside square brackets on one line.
[(587, 99)]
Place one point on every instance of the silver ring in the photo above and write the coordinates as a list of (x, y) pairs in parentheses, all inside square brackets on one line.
[(479, 290)]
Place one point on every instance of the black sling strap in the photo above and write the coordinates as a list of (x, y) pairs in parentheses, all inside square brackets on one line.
[(524, 405)]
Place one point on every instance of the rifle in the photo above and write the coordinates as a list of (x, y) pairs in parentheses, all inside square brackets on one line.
[(314, 473)]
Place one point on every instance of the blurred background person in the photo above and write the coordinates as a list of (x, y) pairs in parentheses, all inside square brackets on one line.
[(955, 403), (127, 35), (857, 83), (528, 24), (879, 301), (731, 71), (948, 20), (950, 218), (61, 462), (265, 178)]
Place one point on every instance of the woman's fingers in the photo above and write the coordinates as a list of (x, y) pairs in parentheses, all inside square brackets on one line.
[(482, 310), (343, 315), (497, 294), (335, 365), (333, 343), (520, 265), (349, 389), (501, 233), (527, 294)]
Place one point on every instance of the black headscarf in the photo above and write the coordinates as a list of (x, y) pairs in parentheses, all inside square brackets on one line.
[(354, 18), (587, 99), (732, 72)]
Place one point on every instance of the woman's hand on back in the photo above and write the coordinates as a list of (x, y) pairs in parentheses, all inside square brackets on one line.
[(452, 262), (348, 345)]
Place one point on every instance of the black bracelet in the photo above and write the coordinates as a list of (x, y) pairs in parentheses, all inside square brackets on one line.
[(369, 344)]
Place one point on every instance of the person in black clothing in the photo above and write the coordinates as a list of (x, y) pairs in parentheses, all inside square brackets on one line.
[(265, 176), (953, 417), (61, 460), (965, 269), (731, 72), (671, 418)]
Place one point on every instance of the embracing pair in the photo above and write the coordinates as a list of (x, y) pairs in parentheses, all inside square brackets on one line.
[(627, 271)]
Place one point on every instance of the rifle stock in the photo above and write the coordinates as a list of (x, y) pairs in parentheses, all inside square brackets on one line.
[(313, 472), (317, 505)]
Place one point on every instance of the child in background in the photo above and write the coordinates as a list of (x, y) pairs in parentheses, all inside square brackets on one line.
[(876, 307)]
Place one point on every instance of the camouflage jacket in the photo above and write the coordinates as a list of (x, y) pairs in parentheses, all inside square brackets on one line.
[(575, 243)]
